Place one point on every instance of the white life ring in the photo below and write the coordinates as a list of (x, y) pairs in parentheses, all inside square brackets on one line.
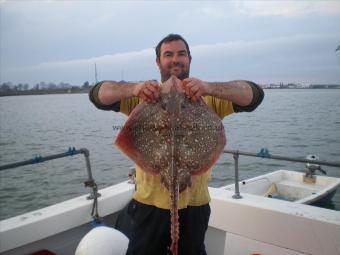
[(104, 241)]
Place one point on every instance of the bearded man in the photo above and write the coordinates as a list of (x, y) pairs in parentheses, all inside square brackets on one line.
[(148, 211)]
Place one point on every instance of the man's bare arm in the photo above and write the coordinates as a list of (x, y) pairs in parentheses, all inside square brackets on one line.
[(111, 92), (238, 92)]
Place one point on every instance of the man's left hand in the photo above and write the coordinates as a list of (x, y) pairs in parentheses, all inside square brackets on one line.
[(195, 88)]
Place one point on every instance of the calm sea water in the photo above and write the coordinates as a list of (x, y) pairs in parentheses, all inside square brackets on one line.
[(288, 122)]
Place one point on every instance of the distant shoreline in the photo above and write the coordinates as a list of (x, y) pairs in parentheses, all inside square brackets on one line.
[(85, 91), (300, 88), (44, 92)]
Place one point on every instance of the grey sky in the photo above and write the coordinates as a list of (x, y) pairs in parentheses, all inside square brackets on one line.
[(262, 41)]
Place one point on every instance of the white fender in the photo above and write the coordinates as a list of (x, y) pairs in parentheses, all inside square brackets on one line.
[(104, 241)]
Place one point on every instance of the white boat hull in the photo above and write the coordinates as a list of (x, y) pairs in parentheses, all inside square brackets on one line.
[(253, 224)]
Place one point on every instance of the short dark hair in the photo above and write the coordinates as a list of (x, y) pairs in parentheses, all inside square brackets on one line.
[(170, 38)]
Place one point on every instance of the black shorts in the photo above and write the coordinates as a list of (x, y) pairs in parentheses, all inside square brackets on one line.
[(148, 229)]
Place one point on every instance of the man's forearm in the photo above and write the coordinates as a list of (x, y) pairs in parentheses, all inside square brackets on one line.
[(238, 92), (111, 92)]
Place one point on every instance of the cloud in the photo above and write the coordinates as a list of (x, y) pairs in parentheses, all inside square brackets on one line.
[(307, 56), (303, 58), (203, 12), (287, 8), (136, 64)]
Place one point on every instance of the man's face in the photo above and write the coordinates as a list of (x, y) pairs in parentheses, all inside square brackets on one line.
[(174, 60)]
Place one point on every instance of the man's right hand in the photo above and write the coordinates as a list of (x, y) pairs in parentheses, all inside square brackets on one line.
[(148, 91)]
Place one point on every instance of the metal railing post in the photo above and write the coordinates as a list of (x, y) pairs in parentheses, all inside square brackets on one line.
[(90, 182), (237, 188)]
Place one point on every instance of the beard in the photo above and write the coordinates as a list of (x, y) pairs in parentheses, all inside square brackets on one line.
[(166, 71)]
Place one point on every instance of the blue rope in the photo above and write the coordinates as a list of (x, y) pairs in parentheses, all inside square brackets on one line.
[(37, 159), (96, 223), (264, 153), (71, 151)]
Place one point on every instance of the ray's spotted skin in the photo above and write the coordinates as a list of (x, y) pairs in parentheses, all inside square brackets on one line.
[(175, 138)]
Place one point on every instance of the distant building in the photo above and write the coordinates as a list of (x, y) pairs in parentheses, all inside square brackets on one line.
[(274, 86), (292, 86)]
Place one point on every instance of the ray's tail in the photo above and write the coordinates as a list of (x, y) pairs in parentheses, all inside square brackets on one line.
[(174, 229)]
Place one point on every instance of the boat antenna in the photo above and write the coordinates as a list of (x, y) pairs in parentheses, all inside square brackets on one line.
[(122, 75), (95, 72)]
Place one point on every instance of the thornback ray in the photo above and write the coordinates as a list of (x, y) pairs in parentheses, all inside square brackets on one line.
[(175, 138)]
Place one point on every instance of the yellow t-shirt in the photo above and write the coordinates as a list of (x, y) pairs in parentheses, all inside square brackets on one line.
[(149, 189)]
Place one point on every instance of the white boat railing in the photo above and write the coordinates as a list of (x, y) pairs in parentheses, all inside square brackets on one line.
[(264, 153)]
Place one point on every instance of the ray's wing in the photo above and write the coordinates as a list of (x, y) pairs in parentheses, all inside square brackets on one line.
[(203, 138), (144, 137)]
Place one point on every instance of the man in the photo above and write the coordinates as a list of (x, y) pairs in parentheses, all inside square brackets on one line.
[(149, 209)]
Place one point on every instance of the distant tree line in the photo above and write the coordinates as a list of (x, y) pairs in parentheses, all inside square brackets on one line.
[(8, 88)]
